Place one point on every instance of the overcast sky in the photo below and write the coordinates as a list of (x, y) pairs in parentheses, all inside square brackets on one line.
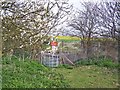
[(76, 3)]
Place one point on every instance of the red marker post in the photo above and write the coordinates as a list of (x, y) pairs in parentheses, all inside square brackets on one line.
[(54, 43)]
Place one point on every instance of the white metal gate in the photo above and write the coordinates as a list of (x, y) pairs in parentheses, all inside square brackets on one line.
[(50, 59)]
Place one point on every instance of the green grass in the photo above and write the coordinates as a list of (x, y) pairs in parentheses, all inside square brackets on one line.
[(29, 74), (90, 76)]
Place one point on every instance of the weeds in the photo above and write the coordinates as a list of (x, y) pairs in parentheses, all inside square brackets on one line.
[(29, 74)]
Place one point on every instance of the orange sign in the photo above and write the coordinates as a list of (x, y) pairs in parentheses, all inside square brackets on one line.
[(54, 43)]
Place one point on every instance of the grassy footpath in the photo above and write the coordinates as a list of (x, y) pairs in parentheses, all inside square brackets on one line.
[(90, 77)]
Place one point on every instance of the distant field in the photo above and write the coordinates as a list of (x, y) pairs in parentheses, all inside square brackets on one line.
[(74, 39), (67, 38)]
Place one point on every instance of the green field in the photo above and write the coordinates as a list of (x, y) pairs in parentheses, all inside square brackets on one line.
[(67, 38)]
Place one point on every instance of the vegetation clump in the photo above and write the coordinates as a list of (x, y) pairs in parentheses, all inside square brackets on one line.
[(100, 61), (29, 74)]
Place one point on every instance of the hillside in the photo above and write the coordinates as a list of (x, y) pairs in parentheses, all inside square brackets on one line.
[(29, 74)]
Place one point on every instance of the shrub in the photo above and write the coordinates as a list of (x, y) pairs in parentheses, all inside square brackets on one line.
[(101, 61)]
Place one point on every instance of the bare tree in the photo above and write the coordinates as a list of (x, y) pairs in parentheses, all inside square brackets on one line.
[(86, 24), (109, 19)]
